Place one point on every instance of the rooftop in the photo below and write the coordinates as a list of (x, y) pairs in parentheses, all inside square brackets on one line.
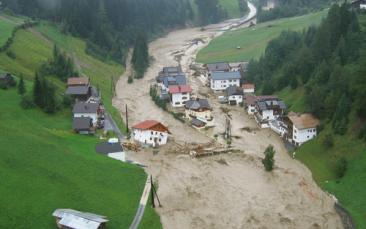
[(197, 104), (234, 90), (106, 148), (180, 89), (225, 75), (174, 80), (270, 103), (303, 121), (222, 66), (81, 107), (248, 86), (171, 70), (151, 125), (80, 220), (77, 90), (78, 81), (82, 123), (252, 99)]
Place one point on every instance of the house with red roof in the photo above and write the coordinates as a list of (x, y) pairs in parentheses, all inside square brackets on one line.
[(179, 95), (150, 132)]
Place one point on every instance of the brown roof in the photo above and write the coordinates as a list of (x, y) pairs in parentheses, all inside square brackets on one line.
[(252, 99), (151, 125), (248, 86), (78, 81), (303, 121)]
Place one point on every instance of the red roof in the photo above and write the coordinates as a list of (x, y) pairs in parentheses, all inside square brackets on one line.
[(179, 89), (151, 125)]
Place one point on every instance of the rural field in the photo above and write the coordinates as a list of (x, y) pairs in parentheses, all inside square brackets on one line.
[(34, 46), (253, 40), (46, 166), (7, 24)]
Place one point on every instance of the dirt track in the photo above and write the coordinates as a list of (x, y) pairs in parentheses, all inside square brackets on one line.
[(227, 191)]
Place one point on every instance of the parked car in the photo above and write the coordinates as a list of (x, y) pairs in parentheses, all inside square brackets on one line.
[(222, 99)]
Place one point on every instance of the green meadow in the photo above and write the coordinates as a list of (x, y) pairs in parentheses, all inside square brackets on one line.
[(248, 43)]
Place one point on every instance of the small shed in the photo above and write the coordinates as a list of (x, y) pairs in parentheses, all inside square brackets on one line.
[(83, 125), (112, 150), (72, 219)]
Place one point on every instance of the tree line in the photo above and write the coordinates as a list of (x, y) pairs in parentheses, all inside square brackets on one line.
[(329, 61), (288, 8)]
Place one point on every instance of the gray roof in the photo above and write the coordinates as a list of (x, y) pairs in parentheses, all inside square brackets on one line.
[(225, 75), (79, 220), (106, 148), (267, 104), (197, 104), (77, 90), (172, 70), (81, 107), (174, 80), (197, 122), (82, 123), (218, 67), (234, 90)]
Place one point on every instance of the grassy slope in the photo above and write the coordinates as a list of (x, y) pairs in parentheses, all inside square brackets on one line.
[(44, 166), (7, 25), (253, 40), (32, 47), (231, 7)]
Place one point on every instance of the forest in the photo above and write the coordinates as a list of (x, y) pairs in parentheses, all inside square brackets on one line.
[(328, 61), (111, 26), (288, 8)]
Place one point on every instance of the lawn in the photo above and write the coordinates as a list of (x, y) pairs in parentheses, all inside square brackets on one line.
[(7, 25), (294, 99), (253, 41), (44, 166), (231, 7)]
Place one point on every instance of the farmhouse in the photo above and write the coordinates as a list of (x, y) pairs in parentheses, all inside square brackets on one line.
[(199, 109), (179, 95), (150, 132), (90, 110), (7, 80), (301, 128), (268, 109), (83, 125), (78, 81), (72, 219), (173, 81), (248, 88), (222, 80), (218, 67), (80, 93), (234, 95)]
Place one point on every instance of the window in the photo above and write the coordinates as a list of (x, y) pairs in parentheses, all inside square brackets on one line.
[(177, 103), (150, 139), (152, 133), (184, 97), (159, 139)]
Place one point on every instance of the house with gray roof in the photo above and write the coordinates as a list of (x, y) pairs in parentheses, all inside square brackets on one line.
[(199, 109), (83, 125), (80, 93), (177, 80), (234, 95), (72, 219), (218, 67), (222, 80), (84, 109), (267, 110)]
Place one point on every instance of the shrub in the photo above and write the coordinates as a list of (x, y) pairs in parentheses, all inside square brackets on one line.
[(328, 141), (268, 160), (27, 102), (66, 101), (341, 167), (10, 54)]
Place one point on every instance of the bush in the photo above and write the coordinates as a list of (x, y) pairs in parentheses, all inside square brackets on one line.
[(130, 80), (341, 167), (10, 54), (268, 160), (328, 141), (66, 101), (27, 102)]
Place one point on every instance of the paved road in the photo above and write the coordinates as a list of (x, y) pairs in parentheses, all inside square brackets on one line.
[(142, 205), (110, 124)]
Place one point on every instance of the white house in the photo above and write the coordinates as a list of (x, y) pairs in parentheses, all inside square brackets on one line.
[(248, 88), (90, 110), (250, 102), (150, 132), (179, 95), (222, 80), (199, 109), (302, 128), (267, 110), (234, 95)]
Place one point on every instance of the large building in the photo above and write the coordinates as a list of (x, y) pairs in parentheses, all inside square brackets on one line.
[(234, 95), (267, 110), (301, 128), (150, 132), (222, 80)]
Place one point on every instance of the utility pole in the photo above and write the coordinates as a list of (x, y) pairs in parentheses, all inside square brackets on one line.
[(154, 194), (127, 131)]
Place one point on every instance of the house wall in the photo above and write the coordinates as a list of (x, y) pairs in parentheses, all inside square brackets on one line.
[(150, 137), (268, 115), (249, 91), (205, 116), (301, 136), (251, 109), (93, 116), (237, 98), (220, 85), (180, 99)]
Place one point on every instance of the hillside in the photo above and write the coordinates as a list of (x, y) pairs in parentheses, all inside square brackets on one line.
[(253, 41), (44, 166), (34, 46)]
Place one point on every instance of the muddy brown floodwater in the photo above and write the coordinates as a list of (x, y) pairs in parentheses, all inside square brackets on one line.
[(225, 191)]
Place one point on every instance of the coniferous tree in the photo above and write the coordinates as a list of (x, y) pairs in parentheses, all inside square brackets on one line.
[(268, 160), (140, 56), (38, 90), (21, 86)]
